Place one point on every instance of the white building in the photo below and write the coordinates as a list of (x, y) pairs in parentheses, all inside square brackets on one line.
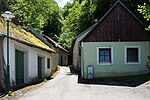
[(30, 59)]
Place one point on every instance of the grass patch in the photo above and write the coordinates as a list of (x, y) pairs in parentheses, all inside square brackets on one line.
[(131, 81), (55, 73), (135, 77), (22, 91), (28, 88)]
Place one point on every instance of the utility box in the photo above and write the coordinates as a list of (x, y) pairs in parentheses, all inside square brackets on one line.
[(90, 69)]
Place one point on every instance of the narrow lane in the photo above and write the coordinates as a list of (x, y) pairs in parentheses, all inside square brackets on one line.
[(65, 87)]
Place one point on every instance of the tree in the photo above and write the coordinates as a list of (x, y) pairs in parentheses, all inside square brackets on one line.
[(66, 8), (3, 5), (53, 26), (83, 13), (43, 15), (79, 17), (33, 13), (145, 11)]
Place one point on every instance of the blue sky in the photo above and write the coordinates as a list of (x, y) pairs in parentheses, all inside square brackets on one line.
[(62, 3)]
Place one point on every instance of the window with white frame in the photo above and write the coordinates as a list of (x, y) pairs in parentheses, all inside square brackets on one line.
[(132, 54), (104, 55)]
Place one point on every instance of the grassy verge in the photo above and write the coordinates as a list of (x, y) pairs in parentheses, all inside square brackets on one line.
[(55, 73), (135, 77), (23, 90), (28, 88), (14, 95)]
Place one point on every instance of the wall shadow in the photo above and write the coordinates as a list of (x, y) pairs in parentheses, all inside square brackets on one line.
[(72, 72), (130, 81)]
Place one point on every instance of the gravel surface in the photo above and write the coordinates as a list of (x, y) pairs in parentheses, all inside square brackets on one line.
[(65, 86)]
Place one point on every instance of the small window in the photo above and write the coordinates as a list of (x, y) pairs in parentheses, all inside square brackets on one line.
[(48, 63), (132, 55), (104, 55)]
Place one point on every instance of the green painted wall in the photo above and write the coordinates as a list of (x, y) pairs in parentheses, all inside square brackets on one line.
[(118, 68)]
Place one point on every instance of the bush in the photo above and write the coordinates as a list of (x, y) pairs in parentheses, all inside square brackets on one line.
[(148, 63)]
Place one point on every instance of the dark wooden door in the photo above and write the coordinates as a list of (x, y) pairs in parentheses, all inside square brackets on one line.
[(39, 67), (61, 60), (19, 62)]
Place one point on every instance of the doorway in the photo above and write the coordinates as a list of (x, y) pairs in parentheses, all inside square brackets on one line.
[(19, 66), (40, 69), (61, 59)]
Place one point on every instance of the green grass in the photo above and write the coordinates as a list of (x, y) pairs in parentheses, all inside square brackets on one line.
[(55, 73), (134, 78), (30, 87)]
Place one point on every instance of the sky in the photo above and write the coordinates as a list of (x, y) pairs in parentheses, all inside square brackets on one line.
[(62, 3)]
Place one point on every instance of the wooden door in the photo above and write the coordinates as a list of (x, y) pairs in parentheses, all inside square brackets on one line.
[(19, 63), (39, 67), (61, 60)]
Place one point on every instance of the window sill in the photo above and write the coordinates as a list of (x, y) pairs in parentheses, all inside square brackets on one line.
[(133, 63), (104, 63)]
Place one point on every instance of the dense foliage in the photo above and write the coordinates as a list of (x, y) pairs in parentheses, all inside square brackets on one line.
[(145, 10), (43, 15), (64, 24), (82, 13)]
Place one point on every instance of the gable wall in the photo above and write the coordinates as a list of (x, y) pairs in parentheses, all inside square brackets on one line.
[(118, 25), (76, 56)]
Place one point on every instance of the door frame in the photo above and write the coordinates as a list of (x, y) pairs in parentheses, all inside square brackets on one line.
[(26, 64), (19, 67), (43, 64), (61, 60)]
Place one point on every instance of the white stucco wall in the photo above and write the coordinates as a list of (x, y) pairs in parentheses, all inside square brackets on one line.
[(64, 57), (76, 57), (31, 54)]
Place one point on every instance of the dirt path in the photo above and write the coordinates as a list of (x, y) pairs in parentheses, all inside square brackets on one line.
[(65, 87)]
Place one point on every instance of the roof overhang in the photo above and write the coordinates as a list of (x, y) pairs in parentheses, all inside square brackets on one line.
[(29, 44)]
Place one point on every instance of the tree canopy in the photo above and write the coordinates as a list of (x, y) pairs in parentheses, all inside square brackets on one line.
[(43, 15), (82, 13), (145, 11), (63, 24)]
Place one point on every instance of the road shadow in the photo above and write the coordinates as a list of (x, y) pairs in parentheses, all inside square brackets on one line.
[(130, 81), (71, 72)]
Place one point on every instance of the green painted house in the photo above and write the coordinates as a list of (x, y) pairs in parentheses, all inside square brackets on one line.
[(117, 45)]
